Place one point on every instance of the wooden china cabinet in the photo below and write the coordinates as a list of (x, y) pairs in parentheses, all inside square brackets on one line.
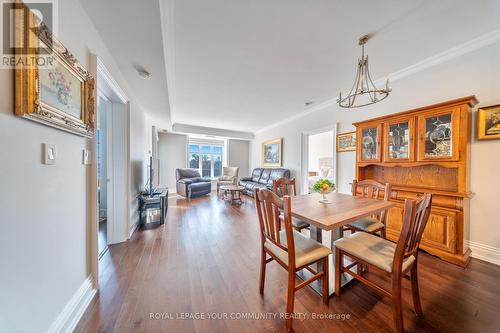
[(425, 150)]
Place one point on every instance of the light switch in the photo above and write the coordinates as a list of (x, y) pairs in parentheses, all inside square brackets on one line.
[(86, 159), (49, 154)]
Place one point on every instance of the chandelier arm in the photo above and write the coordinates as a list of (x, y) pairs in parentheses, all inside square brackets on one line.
[(356, 81), (363, 84)]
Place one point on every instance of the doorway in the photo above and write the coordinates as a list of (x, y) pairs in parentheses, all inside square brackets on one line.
[(110, 202), (318, 158)]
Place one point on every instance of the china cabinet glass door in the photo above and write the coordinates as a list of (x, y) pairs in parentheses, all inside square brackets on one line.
[(399, 140), (438, 136), (369, 144)]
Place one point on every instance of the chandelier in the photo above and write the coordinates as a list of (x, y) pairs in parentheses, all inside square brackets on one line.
[(363, 91)]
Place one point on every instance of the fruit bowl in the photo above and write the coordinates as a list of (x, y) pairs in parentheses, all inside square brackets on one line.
[(324, 187)]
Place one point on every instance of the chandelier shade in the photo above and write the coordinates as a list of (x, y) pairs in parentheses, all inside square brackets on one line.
[(363, 91)]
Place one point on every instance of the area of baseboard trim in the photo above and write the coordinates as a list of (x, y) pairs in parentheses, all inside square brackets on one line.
[(484, 252), (71, 314)]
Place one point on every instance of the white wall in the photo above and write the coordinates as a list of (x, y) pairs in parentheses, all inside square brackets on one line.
[(320, 146), (475, 73), (239, 156), (43, 209), (172, 152)]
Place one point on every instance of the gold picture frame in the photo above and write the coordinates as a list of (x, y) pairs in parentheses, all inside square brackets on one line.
[(47, 94), (346, 142), (272, 153), (488, 123)]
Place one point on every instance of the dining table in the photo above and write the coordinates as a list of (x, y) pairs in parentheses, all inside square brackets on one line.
[(331, 216)]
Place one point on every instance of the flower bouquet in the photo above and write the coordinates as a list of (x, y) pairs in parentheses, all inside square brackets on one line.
[(324, 187)]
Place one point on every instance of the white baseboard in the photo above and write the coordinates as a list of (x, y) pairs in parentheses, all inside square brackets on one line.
[(71, 314), (484, 252)]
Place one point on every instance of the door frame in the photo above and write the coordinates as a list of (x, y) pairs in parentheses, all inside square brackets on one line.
[(102, 75), (304, 165)]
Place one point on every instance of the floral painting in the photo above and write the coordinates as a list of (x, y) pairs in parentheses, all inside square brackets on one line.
[(61, 90)]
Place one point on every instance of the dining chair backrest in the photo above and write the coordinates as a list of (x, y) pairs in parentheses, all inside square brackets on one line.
[(416, 215), (372, 189), (269, 205), (284, 186)]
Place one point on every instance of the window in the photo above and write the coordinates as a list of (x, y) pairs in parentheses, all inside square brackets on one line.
[(206, 157)]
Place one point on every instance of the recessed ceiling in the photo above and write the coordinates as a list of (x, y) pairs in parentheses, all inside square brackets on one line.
[(243, 65)]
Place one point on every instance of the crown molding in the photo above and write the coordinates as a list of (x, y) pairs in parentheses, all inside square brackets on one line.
[(167, 19), (455, 52), (104, 74)]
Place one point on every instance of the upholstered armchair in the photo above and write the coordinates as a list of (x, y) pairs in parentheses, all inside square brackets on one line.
[(190, 184), (229, 177)]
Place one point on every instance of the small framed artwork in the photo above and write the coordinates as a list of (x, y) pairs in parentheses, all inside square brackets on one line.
[(272, 152), (57, 91), (346, 142), (488, 123)]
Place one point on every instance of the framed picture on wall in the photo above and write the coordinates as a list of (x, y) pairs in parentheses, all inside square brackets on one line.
[(54, 90), (272, 151), (346, 142), (488, 123)]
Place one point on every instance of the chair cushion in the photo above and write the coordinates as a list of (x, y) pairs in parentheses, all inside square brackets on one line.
[(264, 178), (276, 174), (372, 249), (231, 172), (186, 173), (299, 224), (307, 250), (225, 182), (368, 224), (256, 174)]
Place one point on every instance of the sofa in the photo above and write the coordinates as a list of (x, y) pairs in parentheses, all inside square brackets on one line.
[(190, 184), (262, 178)]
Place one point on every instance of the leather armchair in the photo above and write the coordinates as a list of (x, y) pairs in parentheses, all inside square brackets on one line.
[(190, 184)]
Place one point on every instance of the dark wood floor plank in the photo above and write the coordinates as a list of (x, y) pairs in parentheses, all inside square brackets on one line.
[(205, 260)]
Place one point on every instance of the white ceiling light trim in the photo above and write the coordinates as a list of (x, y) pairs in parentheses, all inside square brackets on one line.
[(167, 10), (475, 44)]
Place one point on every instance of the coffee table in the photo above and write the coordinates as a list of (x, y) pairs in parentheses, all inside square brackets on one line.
[(232, 193)]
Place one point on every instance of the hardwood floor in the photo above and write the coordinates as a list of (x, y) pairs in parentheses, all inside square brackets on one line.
[(205, 261)]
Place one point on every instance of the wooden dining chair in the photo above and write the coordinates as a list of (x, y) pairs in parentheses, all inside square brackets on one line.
[(287, 247), (286, 186), (396, 260), (376, 223)]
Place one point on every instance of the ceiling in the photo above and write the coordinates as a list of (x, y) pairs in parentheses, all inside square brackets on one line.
[(132, 33), (242, 65)]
